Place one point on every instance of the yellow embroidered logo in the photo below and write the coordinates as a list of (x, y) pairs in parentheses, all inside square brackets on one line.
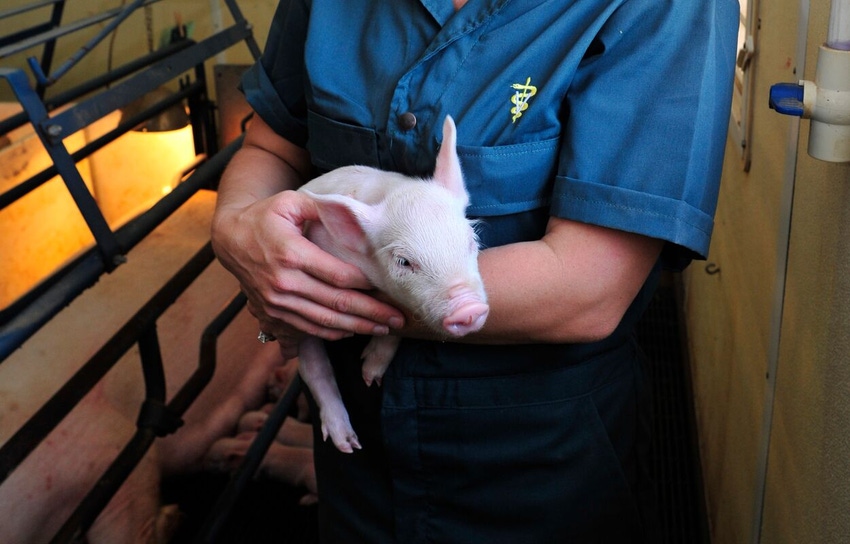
[(522, 92)]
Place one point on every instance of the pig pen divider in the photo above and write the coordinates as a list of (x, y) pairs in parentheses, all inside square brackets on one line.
[(156, 419), (44, 300), (140, 328), (55, 118)]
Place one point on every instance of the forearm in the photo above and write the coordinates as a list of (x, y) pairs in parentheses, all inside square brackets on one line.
[(259, 170), (540, 294), (252, 175), (573, 285)]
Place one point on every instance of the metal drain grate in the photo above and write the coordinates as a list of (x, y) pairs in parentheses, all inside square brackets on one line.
[(674, 457)]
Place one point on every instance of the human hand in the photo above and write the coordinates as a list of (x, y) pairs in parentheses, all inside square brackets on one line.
[(294, 287)]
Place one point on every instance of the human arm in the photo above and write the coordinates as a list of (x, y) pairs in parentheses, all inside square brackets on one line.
[(573, 285), (293, 287)]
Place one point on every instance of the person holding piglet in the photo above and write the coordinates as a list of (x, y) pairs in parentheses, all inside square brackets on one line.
[(590, 136)]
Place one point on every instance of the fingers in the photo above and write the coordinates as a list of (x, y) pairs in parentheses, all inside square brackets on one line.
[(288, 325), (306, 305), (299, 253), (323, 318), (293, 286)]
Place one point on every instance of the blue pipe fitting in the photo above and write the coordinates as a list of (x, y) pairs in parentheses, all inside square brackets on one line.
[(787, 99)]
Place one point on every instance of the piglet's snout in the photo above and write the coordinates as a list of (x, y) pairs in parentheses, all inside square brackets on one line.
[(467, 319), (469, 314)]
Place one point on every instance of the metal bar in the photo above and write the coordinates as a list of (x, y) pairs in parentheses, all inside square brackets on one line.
[(64, 30), (84, 516), (92, 109), (68, 283), (24, 34), (236, 13), (256, 451), (37, 180), (17, 10), (96, 500), (202, 117), (50, 46), (151, 355), (103, 80), (207, 359), (45, 80), (63, 401), (86, 513), (32, 104), (149, 426)]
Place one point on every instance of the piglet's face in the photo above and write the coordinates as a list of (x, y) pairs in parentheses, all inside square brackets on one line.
[(413, 241), (428, 253)]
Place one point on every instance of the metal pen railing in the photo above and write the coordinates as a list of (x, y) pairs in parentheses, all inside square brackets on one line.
[(80, 107)]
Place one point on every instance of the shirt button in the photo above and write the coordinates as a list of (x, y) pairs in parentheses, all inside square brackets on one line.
[(407, 120)]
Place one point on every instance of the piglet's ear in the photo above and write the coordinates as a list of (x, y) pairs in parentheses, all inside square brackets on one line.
[(447, 172), (347, 220)]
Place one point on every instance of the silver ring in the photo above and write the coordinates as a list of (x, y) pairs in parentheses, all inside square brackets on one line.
[(264, 337)]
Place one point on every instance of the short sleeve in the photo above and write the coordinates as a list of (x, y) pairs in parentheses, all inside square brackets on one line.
[(275, 85), (646, 123)]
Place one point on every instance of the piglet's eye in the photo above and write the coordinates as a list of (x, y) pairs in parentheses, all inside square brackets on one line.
[(403, 262)]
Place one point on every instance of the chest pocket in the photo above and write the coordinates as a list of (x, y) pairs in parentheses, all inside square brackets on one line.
[(509, 179), (333, 144), (501, 180)]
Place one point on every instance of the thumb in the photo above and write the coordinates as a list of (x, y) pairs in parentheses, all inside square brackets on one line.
[(296, 207), (299, 208)]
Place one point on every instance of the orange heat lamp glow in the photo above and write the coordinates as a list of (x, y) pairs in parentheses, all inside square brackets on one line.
[(44, 229)]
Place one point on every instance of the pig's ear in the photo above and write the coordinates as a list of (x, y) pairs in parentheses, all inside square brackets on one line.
[(447, 172), (346, 219)]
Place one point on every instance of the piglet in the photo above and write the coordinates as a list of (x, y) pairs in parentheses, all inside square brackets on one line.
[(411, 239)]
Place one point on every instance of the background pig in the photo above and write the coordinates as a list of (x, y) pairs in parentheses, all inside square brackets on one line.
[(37, 498), (411, 238)]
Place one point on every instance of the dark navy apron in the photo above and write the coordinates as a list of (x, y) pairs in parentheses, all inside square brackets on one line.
[(498, 444)]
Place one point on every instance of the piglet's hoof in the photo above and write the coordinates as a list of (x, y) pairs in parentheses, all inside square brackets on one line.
[(342, 436)]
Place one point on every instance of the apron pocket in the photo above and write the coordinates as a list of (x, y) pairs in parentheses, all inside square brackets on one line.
[(500, 465)]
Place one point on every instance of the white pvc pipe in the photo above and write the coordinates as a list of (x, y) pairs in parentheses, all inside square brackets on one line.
[(838, 36)]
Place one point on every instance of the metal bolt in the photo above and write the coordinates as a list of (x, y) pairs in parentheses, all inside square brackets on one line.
[(54, 131)]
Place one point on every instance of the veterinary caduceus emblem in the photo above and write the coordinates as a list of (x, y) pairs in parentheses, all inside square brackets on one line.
[(522, 93)]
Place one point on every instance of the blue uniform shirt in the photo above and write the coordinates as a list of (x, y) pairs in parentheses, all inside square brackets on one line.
[(607, 112), (610, 112)]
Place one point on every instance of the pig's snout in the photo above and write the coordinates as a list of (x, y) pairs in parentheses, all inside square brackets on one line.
[(468, 318), (469, 310)]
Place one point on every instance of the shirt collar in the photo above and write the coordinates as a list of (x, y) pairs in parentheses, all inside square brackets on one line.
[(474, 10), (440, 10)]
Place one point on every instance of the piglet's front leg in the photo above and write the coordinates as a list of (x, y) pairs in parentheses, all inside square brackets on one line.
[(315, 368), (377, 355)]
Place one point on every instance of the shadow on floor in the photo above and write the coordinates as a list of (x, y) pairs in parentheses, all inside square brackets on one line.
[(266, 513)]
